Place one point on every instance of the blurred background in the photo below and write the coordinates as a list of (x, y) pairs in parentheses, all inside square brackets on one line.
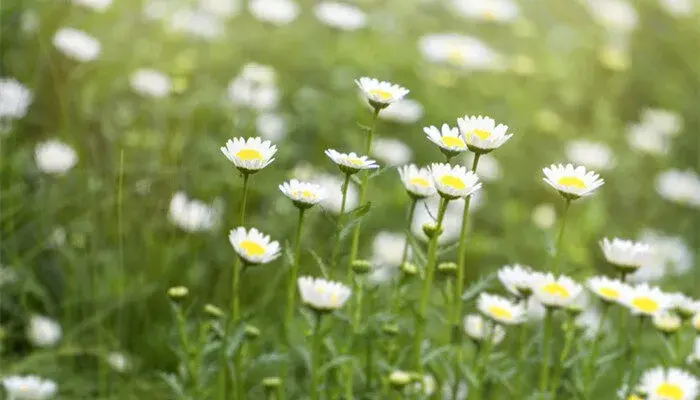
[(113, 187)]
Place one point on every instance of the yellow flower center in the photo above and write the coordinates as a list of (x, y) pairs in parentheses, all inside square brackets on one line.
[(249, 154), (572, 181), (482, 134), (670, 391), (456, 56), (453, 141), (609, 293), (420, 182), (556, 289), (500, 312), (252, 248), (305, 194), (646, 304), (356, 161), (489, 15), (382, 94), (453, 182), (634, 397)]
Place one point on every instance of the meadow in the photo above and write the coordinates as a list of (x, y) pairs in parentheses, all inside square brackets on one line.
[(370, 199)]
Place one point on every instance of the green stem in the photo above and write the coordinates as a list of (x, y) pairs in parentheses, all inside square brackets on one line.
[(421, 316), (560, 237), (590, 364), (678, 336), (369, 336), (356, 318), (634, 352), (291, 287), (490, 329), (522, 355), (341, 220), (395, 296), (185, 342), (316, 354), (546, 352), (559, 366)]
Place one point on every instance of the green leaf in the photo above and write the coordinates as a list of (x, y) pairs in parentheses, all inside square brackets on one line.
[(364, 127), (353, 218), (477, 287), (336, 362), (320, 263)]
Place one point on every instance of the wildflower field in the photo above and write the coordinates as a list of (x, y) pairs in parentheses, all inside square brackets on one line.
[(370, 199)]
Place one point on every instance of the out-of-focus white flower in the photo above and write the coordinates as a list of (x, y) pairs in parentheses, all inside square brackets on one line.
[(678, 8), (192, 215), (7, 276), (196, 23), (666, 384), (250, 155), (157, 9), (333, 187), (381, 275), (626, 255), (151, 83), (255, 88), (681, 187), (684, 305), (667, 322), (271, 126), (489, 170), (406, 111), (552, 291), (322, 295), (119, 361), (615, 15), (55, 157), (462, 391), (304, 171), (15, 99), (220, 8), (29, 22), (29, 387), (423, 388), (671, 255), (391, 152), (544, 215), (645, 139), (594, 155), (341, 16), (97, 5), (517, 279), (535, 309), (253, 246), (427, 211), (275, 12), (488, 10), (58, 236), (695, 356), (387, 248), (665, 122), (43, 331), (571, 182), (459, 51), (590, 321), (479, 329), (77, 44)]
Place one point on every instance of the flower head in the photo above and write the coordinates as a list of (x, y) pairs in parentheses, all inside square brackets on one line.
[(43, 331), (250, 155), (448, 139), (571, 182), (552, 291), (669, 384), (303, 194), (667, 322), (684, 305), (626, 255), (609, 290), (275, 12), (341, 16), (29, 387), (351, 163), (482, 134), (151, 83), (192, 215), (454, 181), (500, 309), (253, 246), (322, 295), (55, 157), (15, 99), (517, 279), (77, 44), (417, 181), (392, 152), (380, 94), (590, 154), (478, 329), (682, 187), (645, 300)]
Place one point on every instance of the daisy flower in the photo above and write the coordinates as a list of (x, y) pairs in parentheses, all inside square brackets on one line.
[(553, 291), (454, 181), (571, 182), (77, 44), (193, 215), (417, 181), (322, 295), (29, 387), (682, 187), (517, 279), (479, 329), (669, 384), (392, 152), (500, 309), (380, 94), (590, 154), (626, 255), (482, 134), (684, 305), (43, 331), (448, 139), (253, 246), (667, 322), (696, 322), (609, 290), (15, 99), (341, 16), (590, 323), (303, 194), (250, 155), (488, 10), (55, 157), (351, 163), (645, 300), (150, 83)]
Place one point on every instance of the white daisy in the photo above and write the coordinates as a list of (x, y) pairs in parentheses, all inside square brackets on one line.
[(678, 8), (253, 246), (322, 295), (380, 94), (645, 300), (667, 322), (195, 22), (275, 12), (571, 182), (590, 154), (448, 139), (454, 181), (535, 309), (695, 355), (669, 384), (489, 169), (459, 51), (255, 87), (427, 211), (589, 321), (303, 194), (482, 134), (417, 181), (341, 16), (552, 291), (151, 83), (221, 8), (391, 152), (682, 187), (333, 184), (29, 387), (615, 15), (192, 215), (43, 331), (609, 290), (55, 157), (119, 361), (696, 322), (478, 329), (500, 309), (405, 111), (544, 215), (271, 126), (488, 10), (387, 248), (665, 122), (626, 255), (15, 99), (517, 279), (96, 5), (351, 163), (671, 255), (77, 44), (249, 155), (645, 139), (685, 306)]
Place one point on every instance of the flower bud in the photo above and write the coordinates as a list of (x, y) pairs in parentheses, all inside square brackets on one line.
[(390, 329), (447, 268), (178, 293), (431, 229), (399, 379), (361, 267), (251, 332), (213, 311), (409, 268)]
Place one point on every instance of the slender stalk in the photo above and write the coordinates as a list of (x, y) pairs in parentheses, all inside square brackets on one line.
[(634, 352), (522, 355), (421, 316), (369, 349), (546, 352), (559, 366), (459, 287), (316, 354), (560, 237), (590, 364), (356, 318), (341, 220), (678, 336), (490, 328), (395, 296), (185, 343)]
